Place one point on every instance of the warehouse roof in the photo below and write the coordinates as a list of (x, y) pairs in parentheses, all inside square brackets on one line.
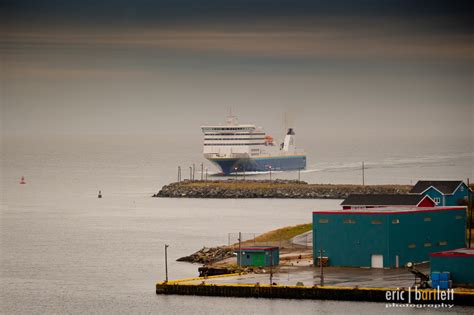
[(383, 200), (465, 252), (258, 248), (446, 187), (389, 210)]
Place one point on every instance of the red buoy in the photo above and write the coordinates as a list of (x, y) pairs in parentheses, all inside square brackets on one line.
[(22, 181)]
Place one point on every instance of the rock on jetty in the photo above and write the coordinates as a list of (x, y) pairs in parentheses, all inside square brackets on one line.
[(208, 255), (272, 189)]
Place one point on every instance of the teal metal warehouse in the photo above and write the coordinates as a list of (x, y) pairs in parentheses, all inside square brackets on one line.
[(387, 237), (259, 256), (458, 262)]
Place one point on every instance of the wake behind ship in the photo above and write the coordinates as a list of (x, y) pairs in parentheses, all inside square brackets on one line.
[(236, 148)]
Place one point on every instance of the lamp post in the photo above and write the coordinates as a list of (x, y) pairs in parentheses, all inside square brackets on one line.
[(240, 251), (321, 267), (206, 174), (190, 173), (270, 167), (202, 170), (166, 261)]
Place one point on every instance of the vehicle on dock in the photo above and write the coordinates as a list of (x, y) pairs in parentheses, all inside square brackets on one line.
[(237, 148)]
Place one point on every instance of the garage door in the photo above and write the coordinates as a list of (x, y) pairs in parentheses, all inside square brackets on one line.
[(377, 261)]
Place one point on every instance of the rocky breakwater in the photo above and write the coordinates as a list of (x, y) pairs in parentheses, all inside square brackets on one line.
[(208, 255), (272, 189)]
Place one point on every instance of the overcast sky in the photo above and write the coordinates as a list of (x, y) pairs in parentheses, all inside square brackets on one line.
[(380, 69)]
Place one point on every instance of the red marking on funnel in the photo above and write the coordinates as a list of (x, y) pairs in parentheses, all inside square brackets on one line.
[(22, 181)]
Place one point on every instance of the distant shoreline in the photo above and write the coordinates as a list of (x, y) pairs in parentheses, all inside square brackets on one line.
[(283, 189)]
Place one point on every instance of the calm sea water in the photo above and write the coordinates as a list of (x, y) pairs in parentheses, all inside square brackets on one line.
[(63, 250)]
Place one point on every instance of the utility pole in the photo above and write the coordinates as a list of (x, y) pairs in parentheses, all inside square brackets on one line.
[(166, 261), (202, 170), (363, 174), (321, 267), (240, 250), (469, 208), (271, 267)]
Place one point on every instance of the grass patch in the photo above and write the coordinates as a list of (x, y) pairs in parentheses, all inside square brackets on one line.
[(284, 234), (243, 185), (250, 185)]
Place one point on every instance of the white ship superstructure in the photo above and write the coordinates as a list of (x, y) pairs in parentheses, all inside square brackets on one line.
[(238, 147)]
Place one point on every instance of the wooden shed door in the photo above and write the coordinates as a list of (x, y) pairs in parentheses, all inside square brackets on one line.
[(258, 259)]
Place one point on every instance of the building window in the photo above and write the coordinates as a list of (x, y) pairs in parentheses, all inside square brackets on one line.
[(443, 243), (376, 222), (349, 221), (323, 220), (459, 217), (427, 244), (395, 221), (412, 245), (437, 200), (427, 219)]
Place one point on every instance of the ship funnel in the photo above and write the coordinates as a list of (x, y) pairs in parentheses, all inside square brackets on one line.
[(289, 142), (232, 120)]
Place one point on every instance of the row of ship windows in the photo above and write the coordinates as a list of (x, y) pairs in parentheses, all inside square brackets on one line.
[(234, 139), (218, 144), (394, 221)]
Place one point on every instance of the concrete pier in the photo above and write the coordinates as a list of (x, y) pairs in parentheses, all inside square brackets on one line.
[(198, 286)]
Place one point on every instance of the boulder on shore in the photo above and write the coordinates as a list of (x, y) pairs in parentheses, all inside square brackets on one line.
[(208, 255)]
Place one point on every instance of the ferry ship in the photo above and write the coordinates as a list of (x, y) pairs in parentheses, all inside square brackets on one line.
[(235, 148)]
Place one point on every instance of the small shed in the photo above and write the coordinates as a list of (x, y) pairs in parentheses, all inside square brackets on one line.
[(259, 256), (458, 262)]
